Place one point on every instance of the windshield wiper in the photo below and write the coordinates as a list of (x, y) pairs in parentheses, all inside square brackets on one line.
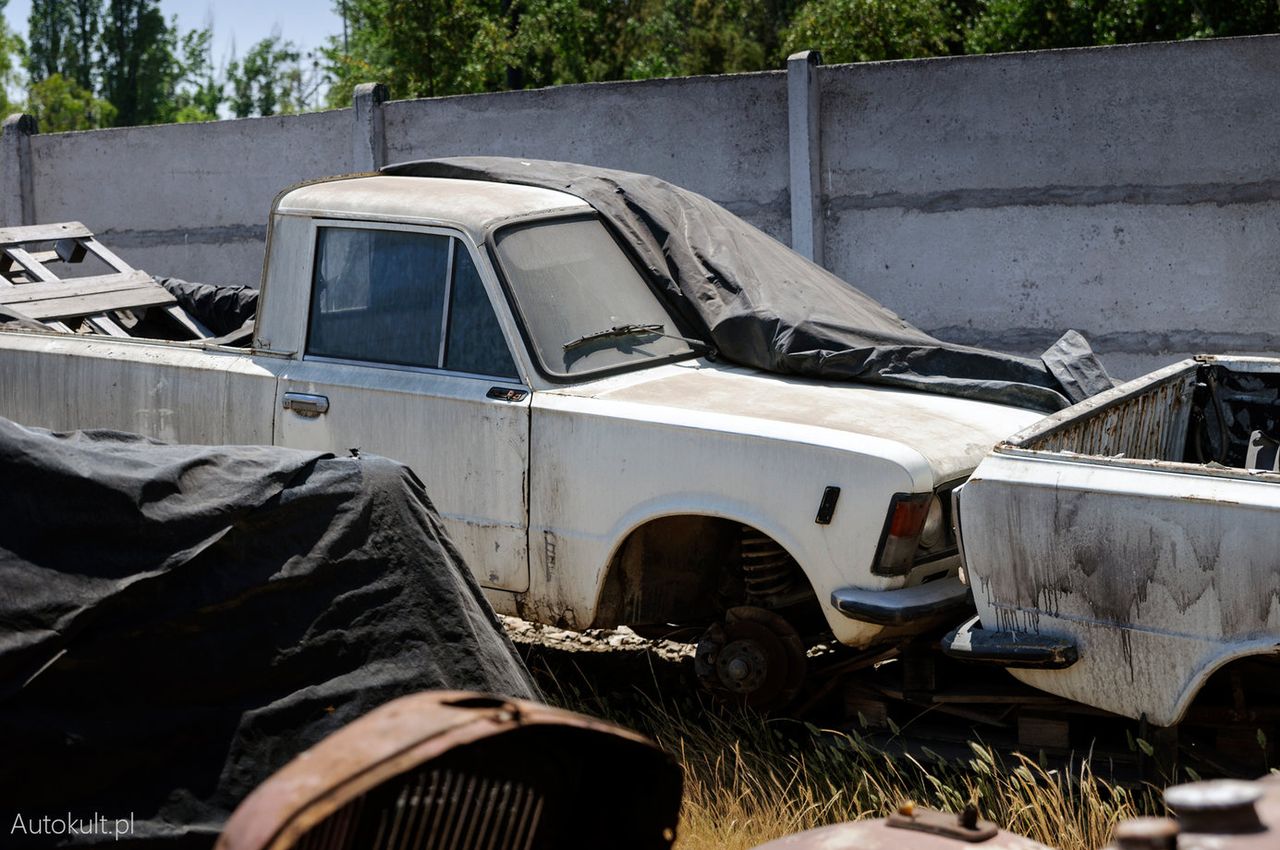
[(634, 330), (615, 331)]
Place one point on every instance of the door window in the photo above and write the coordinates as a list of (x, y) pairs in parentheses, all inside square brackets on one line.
[(475, 341), (380, 296)]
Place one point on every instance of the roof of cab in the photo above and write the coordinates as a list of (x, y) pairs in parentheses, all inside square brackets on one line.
[(470, 205)]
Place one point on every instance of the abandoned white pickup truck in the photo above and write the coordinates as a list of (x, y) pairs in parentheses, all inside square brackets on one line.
[(1125, 553), (594, 467)]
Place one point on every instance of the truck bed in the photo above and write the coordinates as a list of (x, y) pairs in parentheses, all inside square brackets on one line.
[(1132, 528), (1205, 412)]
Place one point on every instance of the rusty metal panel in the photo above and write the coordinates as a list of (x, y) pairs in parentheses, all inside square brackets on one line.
[(881, 834), (1214, 815), (1149, 424), (465, 771)]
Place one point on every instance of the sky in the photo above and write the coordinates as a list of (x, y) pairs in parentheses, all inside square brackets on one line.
[(241, 23)]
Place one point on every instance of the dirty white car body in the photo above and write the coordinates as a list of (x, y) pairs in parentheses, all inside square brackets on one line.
[(1104, 527), (591, 499)]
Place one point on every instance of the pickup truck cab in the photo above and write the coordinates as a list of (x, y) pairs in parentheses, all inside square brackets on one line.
[(594, 465)]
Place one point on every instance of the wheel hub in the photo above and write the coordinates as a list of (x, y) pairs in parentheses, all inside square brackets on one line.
[(754, 658)]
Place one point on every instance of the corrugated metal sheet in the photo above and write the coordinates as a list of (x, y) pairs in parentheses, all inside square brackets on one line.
[(1149, 425)]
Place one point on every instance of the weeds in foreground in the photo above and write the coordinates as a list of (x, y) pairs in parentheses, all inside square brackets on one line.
[(749, 780)]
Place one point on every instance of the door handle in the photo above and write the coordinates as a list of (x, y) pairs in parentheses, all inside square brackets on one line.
[(506, 394), (305, 404)]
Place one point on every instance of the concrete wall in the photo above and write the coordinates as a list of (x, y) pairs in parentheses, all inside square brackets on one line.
[(725, 137), (187, 200), (1130, 192)]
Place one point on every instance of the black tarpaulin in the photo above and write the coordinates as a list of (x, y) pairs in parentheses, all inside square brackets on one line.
[(221, 309), (762, 305), (177, 622)]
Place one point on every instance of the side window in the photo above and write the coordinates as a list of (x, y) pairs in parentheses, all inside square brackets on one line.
[(475, 341), (378, 296)]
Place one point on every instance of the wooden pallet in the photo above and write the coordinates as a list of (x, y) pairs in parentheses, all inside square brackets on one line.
[(107, 304)]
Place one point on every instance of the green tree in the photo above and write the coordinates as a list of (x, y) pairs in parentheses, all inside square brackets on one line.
[(47, 27), (272, 79), (63, 36), (421, 48), (12, 51), (59, 104), (139, 68), (433, 47), (869, 30), (1000, 25), (82, 41), (200, 92)]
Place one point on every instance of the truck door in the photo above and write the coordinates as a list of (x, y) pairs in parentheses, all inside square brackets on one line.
[(405, 358)]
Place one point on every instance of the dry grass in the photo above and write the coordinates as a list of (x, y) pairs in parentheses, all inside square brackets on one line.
[(749, 780)]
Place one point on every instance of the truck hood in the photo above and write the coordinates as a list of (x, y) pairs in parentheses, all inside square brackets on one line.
[(951, 434)]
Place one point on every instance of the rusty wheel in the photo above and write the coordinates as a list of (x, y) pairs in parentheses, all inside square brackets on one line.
[(753, 658)]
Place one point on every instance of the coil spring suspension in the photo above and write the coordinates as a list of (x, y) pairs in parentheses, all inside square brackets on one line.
[(767, 570)]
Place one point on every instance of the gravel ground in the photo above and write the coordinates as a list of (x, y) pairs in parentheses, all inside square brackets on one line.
[(524, 633), (604, 661)]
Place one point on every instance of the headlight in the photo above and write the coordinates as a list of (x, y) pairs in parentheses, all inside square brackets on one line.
[(933, 534)]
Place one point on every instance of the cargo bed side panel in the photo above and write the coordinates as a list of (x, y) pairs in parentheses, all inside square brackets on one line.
[(168, 392), (1159, 576)]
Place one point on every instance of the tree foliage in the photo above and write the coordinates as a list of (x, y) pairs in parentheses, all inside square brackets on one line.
[(120, 62), (422, 48), (271, 79), (139, 76), (1039, 24), (48, 26), (60, 104), (199, 92), (12, 51), (869, 30)]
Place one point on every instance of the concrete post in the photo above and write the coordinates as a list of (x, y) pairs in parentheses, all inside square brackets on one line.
[(18, 204), (803, 128), (369, 147)]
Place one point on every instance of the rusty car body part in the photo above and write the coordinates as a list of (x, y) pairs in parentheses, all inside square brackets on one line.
[(1221, 807), (1146, 834), (966, 826), (922, 829), (464, 770), (1220, 814)]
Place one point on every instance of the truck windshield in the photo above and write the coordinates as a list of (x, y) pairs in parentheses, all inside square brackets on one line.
[(585, 306)]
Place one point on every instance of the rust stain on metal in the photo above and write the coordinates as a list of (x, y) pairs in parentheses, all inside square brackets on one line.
[(1151, 425), (465, 770)]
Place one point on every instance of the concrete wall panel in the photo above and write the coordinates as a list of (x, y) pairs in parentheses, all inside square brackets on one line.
[(190, 200), (1130, 192), (725, 137)]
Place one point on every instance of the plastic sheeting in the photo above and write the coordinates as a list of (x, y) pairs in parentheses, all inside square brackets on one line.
[(177, 622), (221, 309), (762, 305)]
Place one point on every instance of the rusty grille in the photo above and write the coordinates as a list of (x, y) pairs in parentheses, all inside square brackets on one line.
[(1150, 425), (465, 771), (434, 809)]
